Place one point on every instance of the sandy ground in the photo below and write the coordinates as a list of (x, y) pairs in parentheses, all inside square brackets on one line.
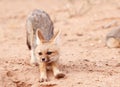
[(85, 59)]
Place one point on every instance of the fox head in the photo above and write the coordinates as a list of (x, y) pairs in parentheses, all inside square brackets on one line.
[(47, 51)]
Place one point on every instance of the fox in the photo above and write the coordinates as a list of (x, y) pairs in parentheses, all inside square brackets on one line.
[(113, 38), (43, 43)]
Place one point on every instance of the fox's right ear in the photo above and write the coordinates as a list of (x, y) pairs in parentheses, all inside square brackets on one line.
[(40, 38)]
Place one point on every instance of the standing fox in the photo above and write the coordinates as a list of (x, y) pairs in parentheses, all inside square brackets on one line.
[(43, 43), (113, 38)]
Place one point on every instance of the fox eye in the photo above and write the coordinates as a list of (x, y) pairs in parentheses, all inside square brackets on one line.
[(49, 52), (40, 53)]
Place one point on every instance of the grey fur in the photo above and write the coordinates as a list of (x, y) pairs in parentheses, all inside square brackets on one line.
[(114, 34), (38, 19)]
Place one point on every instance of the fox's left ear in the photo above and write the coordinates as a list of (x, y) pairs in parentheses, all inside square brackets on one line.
[(55, 39), (40, 38)]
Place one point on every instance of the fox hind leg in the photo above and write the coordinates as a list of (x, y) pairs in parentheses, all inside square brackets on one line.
[(31, 41), (33, 57)]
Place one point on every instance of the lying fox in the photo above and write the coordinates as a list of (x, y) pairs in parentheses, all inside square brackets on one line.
[(113, 38), (43, 43)]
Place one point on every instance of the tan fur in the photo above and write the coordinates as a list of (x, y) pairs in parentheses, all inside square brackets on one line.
[(113, 38)]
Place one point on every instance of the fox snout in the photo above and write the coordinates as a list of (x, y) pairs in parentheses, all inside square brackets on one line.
[(43, 59)]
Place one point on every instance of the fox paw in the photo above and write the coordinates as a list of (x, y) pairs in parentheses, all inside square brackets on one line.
[(60, 75), (43, 79), (34, 64)]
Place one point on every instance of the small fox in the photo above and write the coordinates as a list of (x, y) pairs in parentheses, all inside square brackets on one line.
[(113, 38), (43, 43)]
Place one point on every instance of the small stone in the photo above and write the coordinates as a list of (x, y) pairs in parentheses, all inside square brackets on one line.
[(78, 34), (86, 60), (79, 82)]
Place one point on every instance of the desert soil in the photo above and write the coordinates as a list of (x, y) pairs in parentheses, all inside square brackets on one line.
[(85, 59)]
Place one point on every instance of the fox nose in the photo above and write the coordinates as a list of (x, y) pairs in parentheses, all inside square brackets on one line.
[(43, 59)]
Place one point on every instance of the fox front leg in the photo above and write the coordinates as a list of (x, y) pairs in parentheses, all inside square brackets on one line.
[(43, 72), (57, 73)]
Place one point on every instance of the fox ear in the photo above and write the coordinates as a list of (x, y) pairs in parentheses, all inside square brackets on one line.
[(56, 37), (40, 38)]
